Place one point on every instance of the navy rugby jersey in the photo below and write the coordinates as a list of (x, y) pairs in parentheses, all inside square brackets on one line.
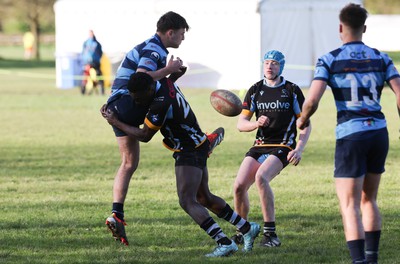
[(356, 74), (150, 55), (171, 114), (282, 105)]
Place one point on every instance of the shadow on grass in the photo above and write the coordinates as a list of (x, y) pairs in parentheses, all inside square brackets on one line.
[(8, 63)]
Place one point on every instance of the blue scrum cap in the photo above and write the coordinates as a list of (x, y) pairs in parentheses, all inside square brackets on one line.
[(276, 56)]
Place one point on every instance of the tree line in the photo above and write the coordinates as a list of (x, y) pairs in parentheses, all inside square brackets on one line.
[(35, 16)]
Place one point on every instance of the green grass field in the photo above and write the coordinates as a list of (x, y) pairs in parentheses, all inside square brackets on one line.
[(58, 158)]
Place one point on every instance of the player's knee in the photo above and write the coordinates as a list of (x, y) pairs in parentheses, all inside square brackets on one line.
[(239, 190), (186, 200), (184, 203), (205, 200), (129, 166), (261, 180)]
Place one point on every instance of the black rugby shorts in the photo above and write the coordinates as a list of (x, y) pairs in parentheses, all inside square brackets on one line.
[(354, 158), (196, 158), (261, 153)]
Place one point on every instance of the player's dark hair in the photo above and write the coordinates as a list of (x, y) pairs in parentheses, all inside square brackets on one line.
[(139, 81), (353, 16), (171, 20)]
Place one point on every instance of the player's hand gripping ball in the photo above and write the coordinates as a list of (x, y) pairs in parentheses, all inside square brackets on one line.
[(226, 102)]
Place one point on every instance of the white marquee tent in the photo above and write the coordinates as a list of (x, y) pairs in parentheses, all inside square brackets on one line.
[(303, 30), (224, 46), (221, 48)]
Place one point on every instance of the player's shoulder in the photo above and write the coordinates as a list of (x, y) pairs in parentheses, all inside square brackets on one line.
[(154, 44), (286, 84), (290, 84), (150, 45), (256, 85)]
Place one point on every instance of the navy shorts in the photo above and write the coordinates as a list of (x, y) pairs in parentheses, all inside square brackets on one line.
[(196, 158), (127, 111), (354, 158), (260, 154)]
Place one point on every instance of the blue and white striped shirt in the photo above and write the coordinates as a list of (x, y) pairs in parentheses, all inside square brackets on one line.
[(356, 74), (150, 55)]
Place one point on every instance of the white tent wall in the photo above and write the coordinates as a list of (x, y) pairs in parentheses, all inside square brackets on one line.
[(383, 32), (302, 30), (227, 39), (221, 48), (116, 23)]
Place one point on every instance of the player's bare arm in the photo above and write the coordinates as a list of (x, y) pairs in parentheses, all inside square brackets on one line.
[(395, 86), (176, 75), (144, 134), (174, 65), (310, 105), (246, 125), (295, 155)]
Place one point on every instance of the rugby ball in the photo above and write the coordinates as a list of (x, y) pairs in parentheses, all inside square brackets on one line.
[(226, 102)]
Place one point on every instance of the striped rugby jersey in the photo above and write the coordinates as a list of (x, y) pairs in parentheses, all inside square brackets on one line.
[(356, 74), (150, 55)]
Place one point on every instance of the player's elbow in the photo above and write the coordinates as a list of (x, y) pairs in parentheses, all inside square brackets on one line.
[(145, 138), (240, 128), (241, 125), (147, 135)]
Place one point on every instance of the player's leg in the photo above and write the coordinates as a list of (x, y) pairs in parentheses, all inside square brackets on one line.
[(188, 180), (207, 199), (129, 151), (370, 212), (219, 207), (264, 175), (350, 170), (371, 217), (244, 180), (348, 191)]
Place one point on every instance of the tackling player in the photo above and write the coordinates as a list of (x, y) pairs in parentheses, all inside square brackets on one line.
[(356, 74), (151, 57), (169, 112)]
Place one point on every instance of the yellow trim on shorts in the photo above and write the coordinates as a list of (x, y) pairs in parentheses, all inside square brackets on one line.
[(271, 145), (177, 150)]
